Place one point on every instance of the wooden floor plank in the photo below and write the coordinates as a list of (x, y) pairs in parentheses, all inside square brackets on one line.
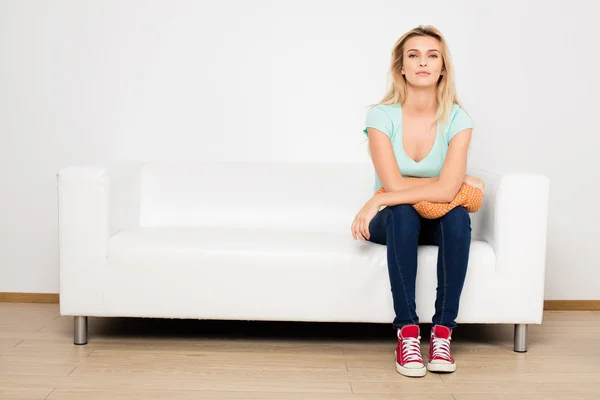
[(178, 360)]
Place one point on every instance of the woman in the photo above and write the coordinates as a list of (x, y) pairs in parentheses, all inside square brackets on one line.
[(420, 130)]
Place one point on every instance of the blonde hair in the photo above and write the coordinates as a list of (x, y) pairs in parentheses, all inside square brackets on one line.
[(446, 90)]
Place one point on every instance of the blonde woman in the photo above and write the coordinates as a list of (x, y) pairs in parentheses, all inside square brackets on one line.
[(419, 129)]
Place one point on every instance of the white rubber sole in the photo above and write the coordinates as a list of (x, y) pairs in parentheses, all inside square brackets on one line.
[(441, 367), (410, 372)]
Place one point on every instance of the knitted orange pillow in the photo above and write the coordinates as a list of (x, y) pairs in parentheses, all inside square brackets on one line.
[(468, 197)]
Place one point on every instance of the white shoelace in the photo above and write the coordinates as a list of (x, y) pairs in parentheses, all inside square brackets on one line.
[(411, 351), (441, 348)]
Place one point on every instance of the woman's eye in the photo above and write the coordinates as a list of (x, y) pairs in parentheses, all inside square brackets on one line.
[(434, 56), (411, 55)]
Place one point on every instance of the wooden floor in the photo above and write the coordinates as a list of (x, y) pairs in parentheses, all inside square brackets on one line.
[(177, 359)]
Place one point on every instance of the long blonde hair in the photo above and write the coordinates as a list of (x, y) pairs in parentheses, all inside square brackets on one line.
[(446, 91)]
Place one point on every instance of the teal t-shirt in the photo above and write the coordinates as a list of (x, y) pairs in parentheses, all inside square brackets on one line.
[(388, 119)]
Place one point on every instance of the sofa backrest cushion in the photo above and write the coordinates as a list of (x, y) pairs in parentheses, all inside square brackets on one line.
[(324, 196), (311, 196)]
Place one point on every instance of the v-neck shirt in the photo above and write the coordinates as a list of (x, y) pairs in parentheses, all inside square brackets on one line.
[(388, 119)]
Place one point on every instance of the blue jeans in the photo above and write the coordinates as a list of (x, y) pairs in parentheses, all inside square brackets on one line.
[(402, 229)]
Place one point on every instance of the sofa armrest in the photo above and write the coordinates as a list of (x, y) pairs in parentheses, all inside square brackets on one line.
[(520, 224), (514, 222), (94, 203)]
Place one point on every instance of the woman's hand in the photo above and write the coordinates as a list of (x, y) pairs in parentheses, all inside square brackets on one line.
[(360, 226), (475, 182)]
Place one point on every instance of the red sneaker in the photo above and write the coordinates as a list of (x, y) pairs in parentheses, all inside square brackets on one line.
[(440, 357), (409, 361)]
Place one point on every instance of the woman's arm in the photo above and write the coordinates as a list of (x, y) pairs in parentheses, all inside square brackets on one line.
[(442, 190)]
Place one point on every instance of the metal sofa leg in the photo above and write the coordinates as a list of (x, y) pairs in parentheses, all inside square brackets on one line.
[(520, 338), (81, 330)]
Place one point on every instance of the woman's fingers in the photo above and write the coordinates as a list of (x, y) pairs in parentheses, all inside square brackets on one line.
[(356, 228), (482, 186), (365, 228), (360, 227)]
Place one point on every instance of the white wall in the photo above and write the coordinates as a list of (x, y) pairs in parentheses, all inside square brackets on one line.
[(83, 81)]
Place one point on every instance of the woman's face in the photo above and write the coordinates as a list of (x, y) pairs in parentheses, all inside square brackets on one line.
[(422, 61)]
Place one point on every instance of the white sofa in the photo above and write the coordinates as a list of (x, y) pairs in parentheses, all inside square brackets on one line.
[(261, 241)]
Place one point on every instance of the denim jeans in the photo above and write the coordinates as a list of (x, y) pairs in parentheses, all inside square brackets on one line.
[(402, 230)]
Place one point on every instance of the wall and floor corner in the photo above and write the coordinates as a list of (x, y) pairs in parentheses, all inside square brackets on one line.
[(82, 82)]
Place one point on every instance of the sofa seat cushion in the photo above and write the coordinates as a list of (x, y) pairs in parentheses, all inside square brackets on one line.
[(276, 274), (161, 246)]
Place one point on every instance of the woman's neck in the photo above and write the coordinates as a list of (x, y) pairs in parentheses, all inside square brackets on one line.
[(421, 100)]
